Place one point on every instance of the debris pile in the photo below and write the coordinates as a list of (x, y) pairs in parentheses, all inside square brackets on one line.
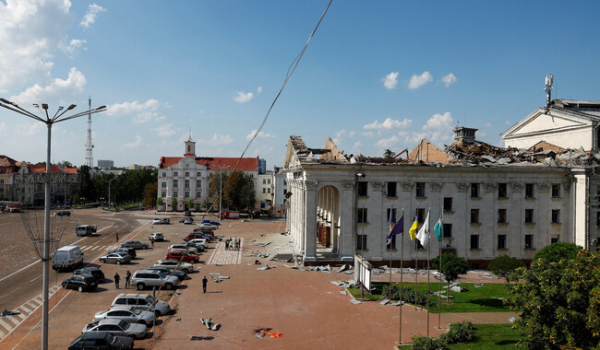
[(209, 324)]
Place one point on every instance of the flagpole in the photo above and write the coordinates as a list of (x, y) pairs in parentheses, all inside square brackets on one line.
[(390, 267), (428, 256), (440, 271), (416, 269), (401, 279)]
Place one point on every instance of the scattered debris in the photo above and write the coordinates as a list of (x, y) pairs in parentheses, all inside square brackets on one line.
[(209, 324), (343, 292), (264, 267), (9, 313), (290, 267), (478, 285), (354, 301), (174, 293), (213, 273), (345, 267), (385, 301), (511, 319), (223, 277), (177, 320)]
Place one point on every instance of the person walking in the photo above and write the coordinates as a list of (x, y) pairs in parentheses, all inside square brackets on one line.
[(127, 278), (117, 278), (152, 242), (204, 283), (117, 236)]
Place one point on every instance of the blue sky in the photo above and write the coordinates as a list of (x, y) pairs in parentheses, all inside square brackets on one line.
[(377, 74)]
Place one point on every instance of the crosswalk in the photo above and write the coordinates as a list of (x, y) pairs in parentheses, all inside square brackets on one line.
[(10, 322), (98, 248)]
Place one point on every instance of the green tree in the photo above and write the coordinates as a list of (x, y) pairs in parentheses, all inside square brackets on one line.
[(388, 154), (150, 192), (504, 266), (190, 204), (557, 252), (159, 202), (559, 302), (238, 190), (174, 204), (452, 266)]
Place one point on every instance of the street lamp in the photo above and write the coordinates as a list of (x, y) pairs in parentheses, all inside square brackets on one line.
[(109, 181), (221, 187), (45, 118)]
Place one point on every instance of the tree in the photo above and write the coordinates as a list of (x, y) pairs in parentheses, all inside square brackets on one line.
[(558, 251), (559, 302), (174, 204), (452, 266), (388, 154), (504, 266), (190, 204), (159, 202), (150, 192), (238, 190)]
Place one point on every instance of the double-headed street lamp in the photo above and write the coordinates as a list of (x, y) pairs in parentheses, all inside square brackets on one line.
[(45, 118)]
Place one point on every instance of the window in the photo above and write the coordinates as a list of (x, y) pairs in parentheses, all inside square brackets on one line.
[(198, 183), (448, 204), (163, 185), (268, 190), (502, 242), (556, 216), (284, 191), (528, 190), (164, 174), (163, 194), (502, 216), (175, 183), (391, 189), (362, 215), (529, 216), (269, 181), (361, 242), (284, 182), (474, 190), (362, 189), (474, 216), (598, 218), (447, 231), (553, 240), (421, 189), (555, 191), (187, 184), (387, 215), (264, 190), (420, 215), (392, 245), (198, 194), (175, 174), (175, 194), (264, 181), (187, 174), (198, 174), (529, 242), (187, 194), (502, 190), (474, 241)]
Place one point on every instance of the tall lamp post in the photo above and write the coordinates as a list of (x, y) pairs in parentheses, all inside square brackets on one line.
[(45, 118), (221, 187), (109, 181)]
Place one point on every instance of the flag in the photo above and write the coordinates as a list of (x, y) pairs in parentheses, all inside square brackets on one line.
[(439, 228), (390, 222), (413, 230), (423, 234), (397, 229)]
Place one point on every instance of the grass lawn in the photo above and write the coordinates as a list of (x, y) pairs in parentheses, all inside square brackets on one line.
[(484, 298), (487, 336)]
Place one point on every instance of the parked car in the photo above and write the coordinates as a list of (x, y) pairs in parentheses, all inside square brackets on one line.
[(117, 327), (134, 244), (182, 256), (141, 301), (183, 247), (200, 234), (80, 283), (187, 220), (62, 213), (181, 275), (96, 341), (208, 227), (201, 241), (127, 313), (93, 271), (199, 247), (176, 265), (115, 258), (212, 222), (165, 221), (156, 221), (157, 236), (129, 251), (152, 278)]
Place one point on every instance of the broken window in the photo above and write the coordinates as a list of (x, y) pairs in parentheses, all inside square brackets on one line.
[(420, 189), (420, 215), (553, 240), (448, 204), (529, 191), (529, 216), (474, 190), (502, 216), (391, 189), (447, 231), (361, 242), (529, 242), (502, 242), (474, 241), (474, 216), (362, 189), (555, 191), (502, 190), (362, 215), (556, 216)]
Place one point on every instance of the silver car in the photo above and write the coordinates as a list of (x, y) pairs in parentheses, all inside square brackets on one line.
[(184, 247), (176, 265), (142, 301), (117, 327), (115, 258), (152, 278), (135, 244), (127, 313)]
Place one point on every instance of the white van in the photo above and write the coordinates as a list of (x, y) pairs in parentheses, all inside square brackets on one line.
[(67, 258), (85, 230)]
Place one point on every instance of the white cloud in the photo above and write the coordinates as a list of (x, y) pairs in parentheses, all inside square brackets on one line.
[(165, 130), (449, 79), (488, 125), (390, 81), (260, 135), (259, 89), (357, 146), (73, 47), (136, 143), (220, 140), (132, 107), (144, 117), (242, 97), (507, 122), (62, 91), (29, 31), (90, 16), (439, 128), (416, 81), (388, 124), (388, 143)]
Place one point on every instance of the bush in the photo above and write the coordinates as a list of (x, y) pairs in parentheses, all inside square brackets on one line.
[(461, 332), (557, 252), (408, 295), (426, 343)]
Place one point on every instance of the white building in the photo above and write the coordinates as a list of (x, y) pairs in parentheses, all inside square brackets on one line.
[(265, 190), (280, 193), (494, 202), (187, 178)]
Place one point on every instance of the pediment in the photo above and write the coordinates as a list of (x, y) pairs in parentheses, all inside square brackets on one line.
[(539, 122)]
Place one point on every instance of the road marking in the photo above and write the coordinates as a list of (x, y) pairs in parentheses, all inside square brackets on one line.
[(36, 278)]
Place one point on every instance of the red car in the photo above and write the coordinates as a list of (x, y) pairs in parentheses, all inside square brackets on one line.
[(199, 234), (182, 256)]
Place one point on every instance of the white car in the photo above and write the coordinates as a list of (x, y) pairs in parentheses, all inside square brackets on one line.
[(127, 313), (184, 248), (157, 236), (156, 222), (200, 241), (208, 227), (176, 265), (117, 327)]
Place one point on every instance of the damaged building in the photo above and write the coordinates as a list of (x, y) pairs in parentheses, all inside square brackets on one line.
[(512, 200)]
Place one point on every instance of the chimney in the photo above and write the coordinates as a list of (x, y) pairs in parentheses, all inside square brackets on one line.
[(464, 134)]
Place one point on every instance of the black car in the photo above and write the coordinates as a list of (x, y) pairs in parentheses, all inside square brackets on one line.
[(80, 282), (62, 213), (94, 271), (91, 340), (129, 251), (165, 221)]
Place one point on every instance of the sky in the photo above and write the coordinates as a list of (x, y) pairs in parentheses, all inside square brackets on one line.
[(376, 75)]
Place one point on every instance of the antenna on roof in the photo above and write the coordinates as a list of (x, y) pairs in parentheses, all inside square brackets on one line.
[(548, 89)]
